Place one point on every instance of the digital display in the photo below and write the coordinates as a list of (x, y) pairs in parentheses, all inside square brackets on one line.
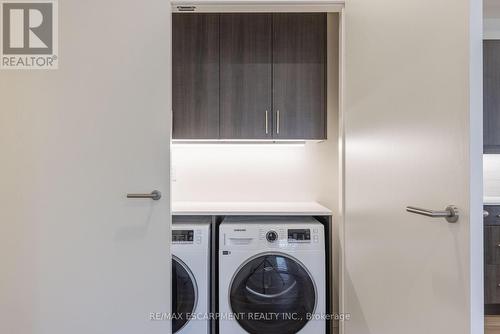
[(182, 235), (298, 235)]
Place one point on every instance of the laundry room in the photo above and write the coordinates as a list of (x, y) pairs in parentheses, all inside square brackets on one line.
[(256, 164), (250, 167)]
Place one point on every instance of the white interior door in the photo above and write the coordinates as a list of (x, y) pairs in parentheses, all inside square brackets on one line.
[(76, 255), (413, 136)]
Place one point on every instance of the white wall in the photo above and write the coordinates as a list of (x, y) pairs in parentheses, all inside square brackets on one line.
[(491, 21), (491, 170), (252, 172), (491, 8), (491, 28)]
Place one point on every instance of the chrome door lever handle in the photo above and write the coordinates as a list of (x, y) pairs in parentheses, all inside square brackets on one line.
[(155, 195), (450, 213)]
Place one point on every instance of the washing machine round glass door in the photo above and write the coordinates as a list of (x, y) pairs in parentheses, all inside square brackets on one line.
[(272, 293), (184, 294)]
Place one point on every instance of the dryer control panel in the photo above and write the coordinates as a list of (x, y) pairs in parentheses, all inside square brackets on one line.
[(190, 237), (182, 236)]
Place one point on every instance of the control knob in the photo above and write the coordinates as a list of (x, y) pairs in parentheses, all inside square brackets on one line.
[(271, 236)]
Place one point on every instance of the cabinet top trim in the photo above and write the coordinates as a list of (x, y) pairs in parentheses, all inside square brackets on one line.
[(256, 6)]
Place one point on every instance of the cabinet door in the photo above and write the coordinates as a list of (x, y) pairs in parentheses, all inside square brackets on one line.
[(493, 217), (246, 62), (491, 96), (299, 75), (492, 284), (492, 245), (195, 74)]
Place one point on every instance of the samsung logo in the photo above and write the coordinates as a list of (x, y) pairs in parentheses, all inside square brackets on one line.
[(240, 229)]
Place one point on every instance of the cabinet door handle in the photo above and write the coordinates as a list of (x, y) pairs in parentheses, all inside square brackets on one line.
[(267, 122), (277, 121)]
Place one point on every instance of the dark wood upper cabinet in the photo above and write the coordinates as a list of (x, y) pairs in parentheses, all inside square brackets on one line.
[(195, 75), (299, 75), (245, 76), (491, 96), (249, 76)]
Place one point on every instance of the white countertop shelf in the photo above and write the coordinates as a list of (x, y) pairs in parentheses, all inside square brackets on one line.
[(249, 209)]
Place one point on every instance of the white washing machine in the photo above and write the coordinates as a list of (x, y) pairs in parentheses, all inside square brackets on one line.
[(190, 278), (272, 276)]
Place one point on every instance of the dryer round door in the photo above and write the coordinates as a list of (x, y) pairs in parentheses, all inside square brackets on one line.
[(184, 294), (272, 293)]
